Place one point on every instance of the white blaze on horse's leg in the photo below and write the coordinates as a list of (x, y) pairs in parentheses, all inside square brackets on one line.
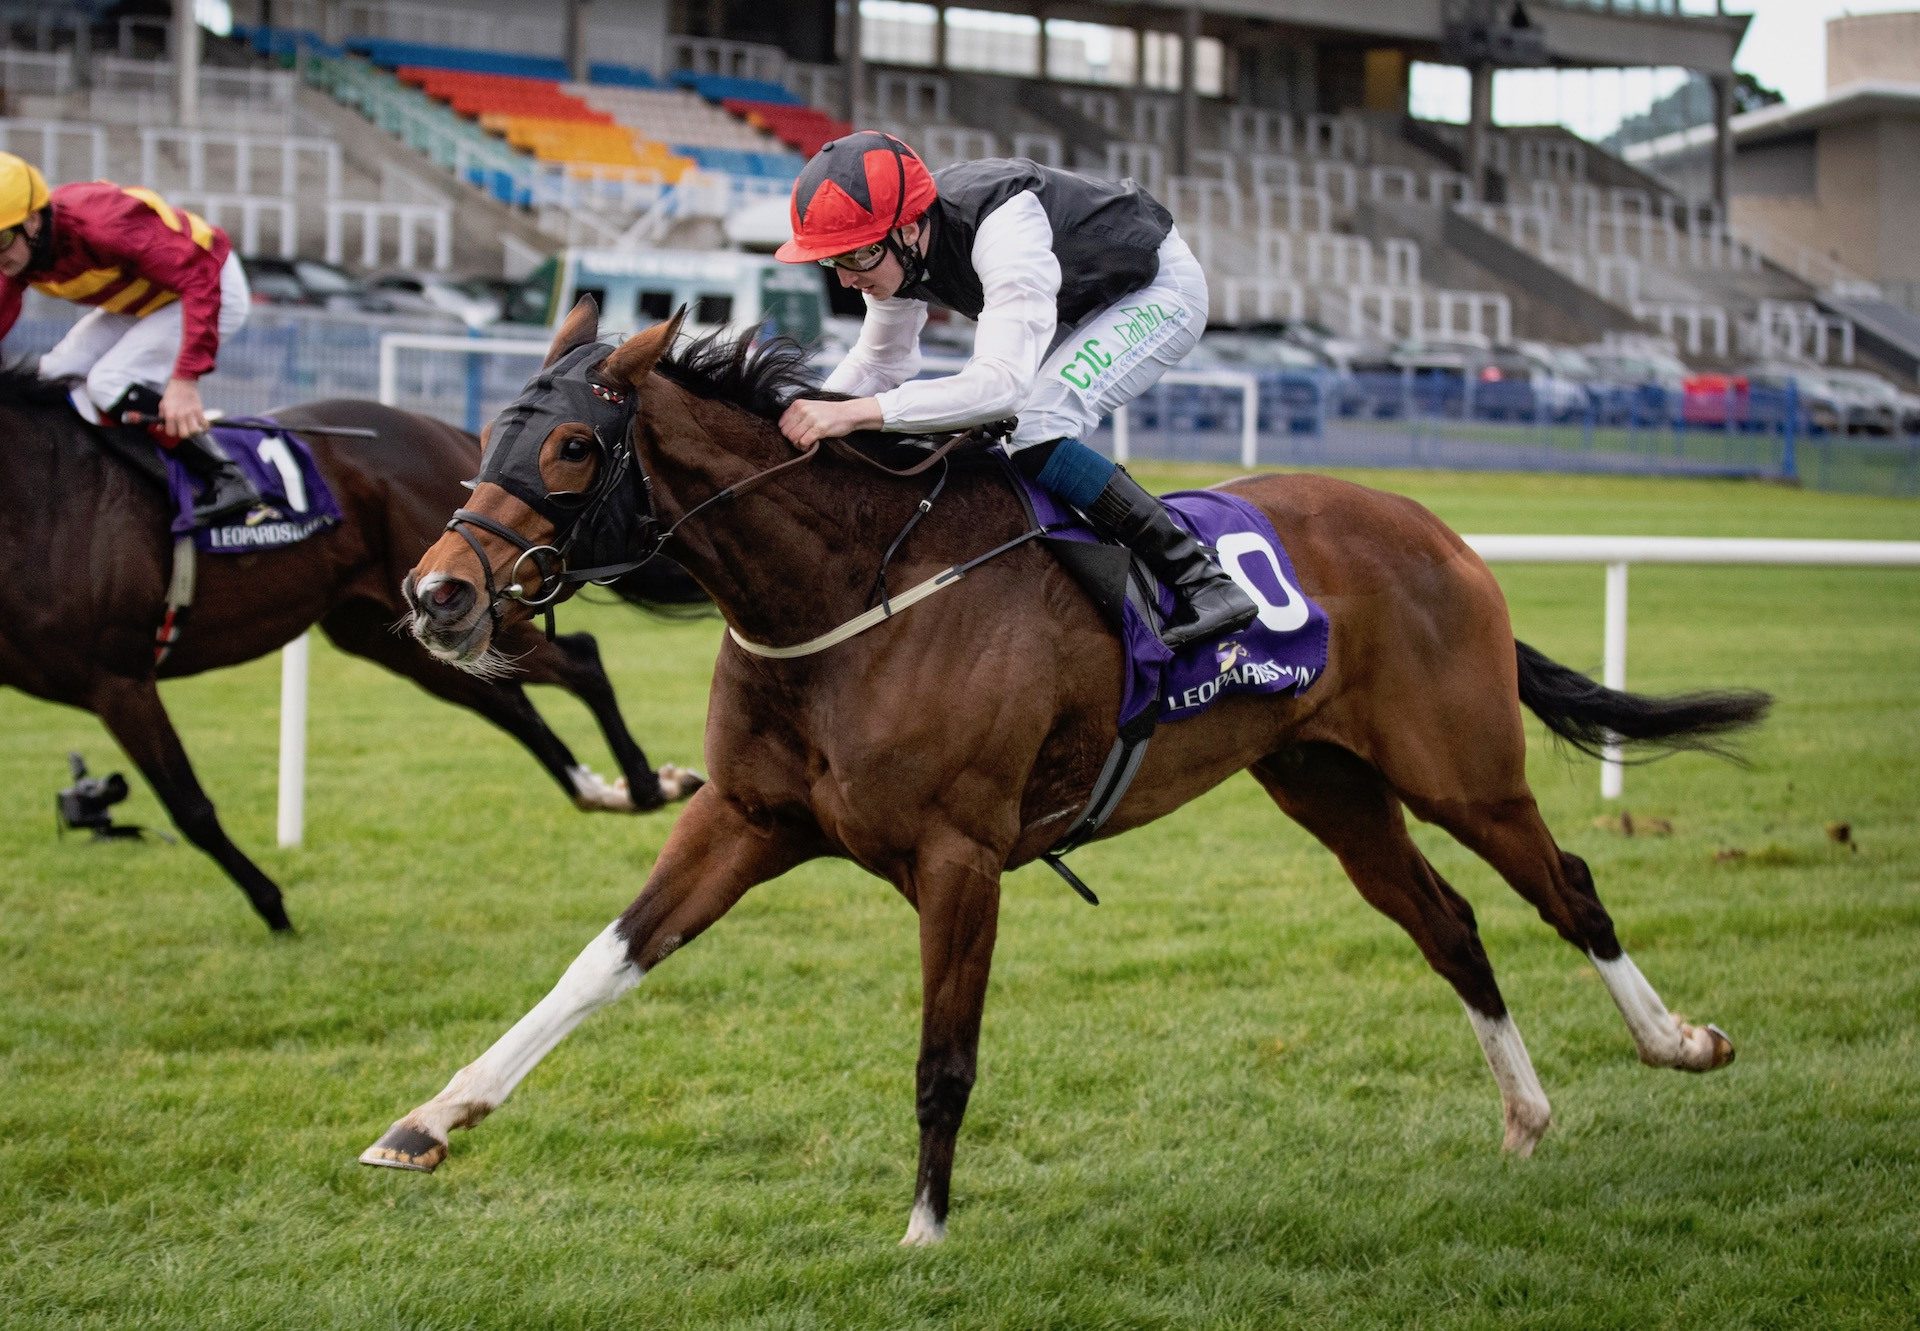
[(1664, 1041), (922, 1229), (1523, 1104), (591, 791), (601, 973)]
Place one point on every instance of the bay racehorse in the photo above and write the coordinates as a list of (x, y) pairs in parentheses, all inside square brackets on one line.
[(959, 739), (82, 631)]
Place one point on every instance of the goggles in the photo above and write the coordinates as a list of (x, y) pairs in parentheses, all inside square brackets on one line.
[(10, 234), (863, 260)]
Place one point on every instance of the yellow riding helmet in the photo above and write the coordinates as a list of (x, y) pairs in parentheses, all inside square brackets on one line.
[(23, 190)]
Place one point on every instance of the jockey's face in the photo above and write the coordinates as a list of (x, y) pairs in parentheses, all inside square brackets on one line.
[(883, 279), (15, 254)]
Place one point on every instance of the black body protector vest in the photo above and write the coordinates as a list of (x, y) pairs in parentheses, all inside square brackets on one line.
[(1106, 235)]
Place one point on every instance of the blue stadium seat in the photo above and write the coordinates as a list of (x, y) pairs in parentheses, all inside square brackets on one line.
[(621, 76), (391, 55), (283, 43), (717, 87), (741, 162)]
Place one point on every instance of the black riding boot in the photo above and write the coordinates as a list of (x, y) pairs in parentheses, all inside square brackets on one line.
[(1207, 602), (225, 491)]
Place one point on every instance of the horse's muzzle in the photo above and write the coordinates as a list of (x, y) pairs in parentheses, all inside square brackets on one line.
[(447, 616)]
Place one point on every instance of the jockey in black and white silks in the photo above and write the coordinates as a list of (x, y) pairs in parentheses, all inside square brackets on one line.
[(1083, 295)]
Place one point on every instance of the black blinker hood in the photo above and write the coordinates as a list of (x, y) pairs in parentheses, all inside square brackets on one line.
[(561, 394)]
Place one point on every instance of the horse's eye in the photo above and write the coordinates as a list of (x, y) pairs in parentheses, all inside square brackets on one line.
[(574, 450)]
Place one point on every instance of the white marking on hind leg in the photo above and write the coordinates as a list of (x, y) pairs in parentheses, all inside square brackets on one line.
[(1664, 1040), (591, 791), (923, 1231), (601, 973), (1523, 1105)]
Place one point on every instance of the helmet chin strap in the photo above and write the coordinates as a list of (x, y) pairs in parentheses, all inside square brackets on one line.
[(913, 265)]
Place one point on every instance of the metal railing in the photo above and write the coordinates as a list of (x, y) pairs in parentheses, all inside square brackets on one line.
[(1619, 552)]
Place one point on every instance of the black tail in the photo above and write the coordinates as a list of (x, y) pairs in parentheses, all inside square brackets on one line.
[(1588, 715)]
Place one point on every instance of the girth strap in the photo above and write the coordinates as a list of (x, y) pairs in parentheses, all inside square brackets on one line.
[(1109, 788)]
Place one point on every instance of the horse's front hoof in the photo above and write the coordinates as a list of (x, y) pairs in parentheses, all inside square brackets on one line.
[(1721, 1048), (406, 1147)]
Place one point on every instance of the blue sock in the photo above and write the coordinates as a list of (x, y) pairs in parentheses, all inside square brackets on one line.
[(1075, 473)]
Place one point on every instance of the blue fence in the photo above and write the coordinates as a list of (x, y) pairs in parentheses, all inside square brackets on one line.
[(1307, 419)]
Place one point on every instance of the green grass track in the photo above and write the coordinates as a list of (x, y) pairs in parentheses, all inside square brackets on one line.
[(1233, 1096)]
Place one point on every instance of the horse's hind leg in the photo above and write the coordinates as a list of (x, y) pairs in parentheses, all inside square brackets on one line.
[(364, 628), (1348, 805), (132, 712), (713, 855), (572, 662), (1512, 837)]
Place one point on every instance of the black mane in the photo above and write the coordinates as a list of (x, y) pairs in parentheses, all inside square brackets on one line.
[(22, 386), (759, 378), (763, 378)]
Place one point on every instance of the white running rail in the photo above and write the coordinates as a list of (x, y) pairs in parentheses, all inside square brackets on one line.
[(1618, 552)]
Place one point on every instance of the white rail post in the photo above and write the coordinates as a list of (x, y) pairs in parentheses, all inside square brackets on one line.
[(294, 659), (1250, 422), (1614, 674)]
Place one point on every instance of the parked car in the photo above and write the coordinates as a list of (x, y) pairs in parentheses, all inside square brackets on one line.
[(1873, 404), (311, 283), (435, 297), (1652, 383), (1823, 406), (1297, 386), (1567, 386)]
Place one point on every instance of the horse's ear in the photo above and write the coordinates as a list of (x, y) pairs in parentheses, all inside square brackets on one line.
[(580, 327), (634, 359)]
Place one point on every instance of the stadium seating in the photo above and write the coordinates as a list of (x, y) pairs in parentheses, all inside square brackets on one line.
[(706, 134), (721, 87), (801, 128), (283, 44)]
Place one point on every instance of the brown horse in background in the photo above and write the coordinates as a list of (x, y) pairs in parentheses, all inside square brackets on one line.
[(83, 634), (944, 747)]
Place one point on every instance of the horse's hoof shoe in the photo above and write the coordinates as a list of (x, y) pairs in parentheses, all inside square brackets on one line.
[(1723, 1050), (405, 1147)]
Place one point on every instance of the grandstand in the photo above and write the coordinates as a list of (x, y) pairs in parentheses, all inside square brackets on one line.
[(1277, 132)]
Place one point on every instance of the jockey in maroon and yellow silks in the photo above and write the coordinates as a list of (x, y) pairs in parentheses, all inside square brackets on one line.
[(164, 285)]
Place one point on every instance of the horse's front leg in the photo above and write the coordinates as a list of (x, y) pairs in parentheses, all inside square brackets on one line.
[(956, 887), (712, 857)]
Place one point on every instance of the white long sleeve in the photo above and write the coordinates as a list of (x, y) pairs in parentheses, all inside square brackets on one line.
[(1020, 282), (887, 353)]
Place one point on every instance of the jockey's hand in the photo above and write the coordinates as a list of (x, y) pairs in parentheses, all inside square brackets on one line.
[(808, 420), (181, 411)]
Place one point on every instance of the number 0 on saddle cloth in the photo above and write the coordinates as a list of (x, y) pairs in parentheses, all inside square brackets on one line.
[(298, 502), (1284, 650)]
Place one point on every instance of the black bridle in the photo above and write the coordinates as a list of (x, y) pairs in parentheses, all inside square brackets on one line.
[(568, 393), (612, 530), (565, 393)]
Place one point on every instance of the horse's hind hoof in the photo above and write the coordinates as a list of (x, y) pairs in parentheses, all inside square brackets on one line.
[(1702, 1048), (406, 1147), (679, 783)]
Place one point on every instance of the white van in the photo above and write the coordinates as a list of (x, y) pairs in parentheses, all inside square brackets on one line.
[(638, 288)]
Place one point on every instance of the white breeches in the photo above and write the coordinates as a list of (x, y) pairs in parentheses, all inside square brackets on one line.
[(1119, 353), (113, 351)]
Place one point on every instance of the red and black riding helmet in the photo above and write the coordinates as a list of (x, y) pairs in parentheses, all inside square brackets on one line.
[(856, 190)]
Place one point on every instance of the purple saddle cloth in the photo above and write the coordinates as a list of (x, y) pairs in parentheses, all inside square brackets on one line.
[(281, 468), (1282, 651)]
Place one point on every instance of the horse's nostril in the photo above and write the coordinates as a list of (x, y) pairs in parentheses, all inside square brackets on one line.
[(445, 592)]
